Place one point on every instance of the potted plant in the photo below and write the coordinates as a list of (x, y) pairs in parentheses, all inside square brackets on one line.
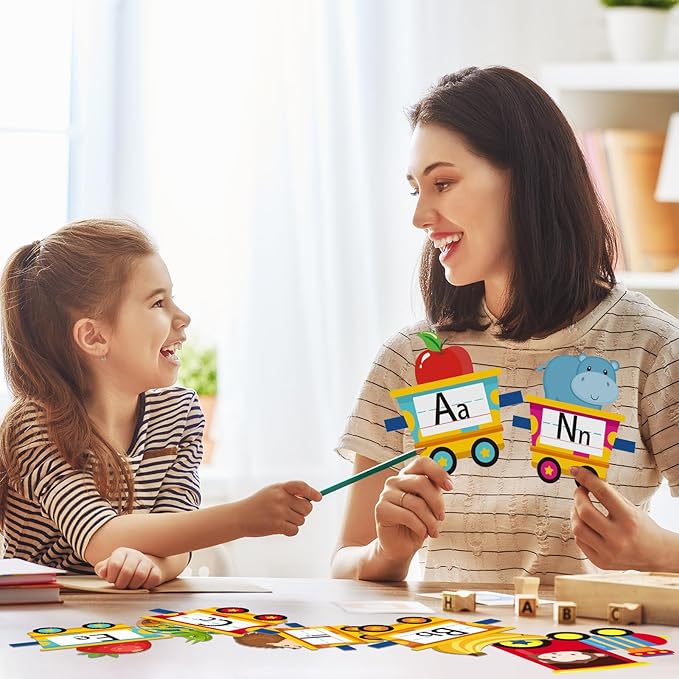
[(198, 371), (637, 28)]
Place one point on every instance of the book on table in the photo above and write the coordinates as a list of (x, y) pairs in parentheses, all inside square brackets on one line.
[(25, 582)]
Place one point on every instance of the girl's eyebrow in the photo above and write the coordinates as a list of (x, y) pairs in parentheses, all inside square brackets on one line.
[(157, 291), (431, 167)]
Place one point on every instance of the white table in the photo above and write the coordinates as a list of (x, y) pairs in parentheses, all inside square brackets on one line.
[(309, 602)]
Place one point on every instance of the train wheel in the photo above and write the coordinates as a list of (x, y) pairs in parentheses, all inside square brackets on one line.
[(98, 625), (611, 632), (549, 470), (586, 466), (524, 643), (567, 636), (485, 452), (445, 458), (49, 630)]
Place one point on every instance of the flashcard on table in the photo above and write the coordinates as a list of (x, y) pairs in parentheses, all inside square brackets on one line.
[(91, 634), (383, 607), (230, 620), (564, 655)]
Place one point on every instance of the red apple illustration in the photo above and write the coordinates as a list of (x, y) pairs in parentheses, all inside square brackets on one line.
[(114, 648), (436, 363)]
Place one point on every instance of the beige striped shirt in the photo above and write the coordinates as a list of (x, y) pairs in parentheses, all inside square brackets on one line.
[(503, 520)]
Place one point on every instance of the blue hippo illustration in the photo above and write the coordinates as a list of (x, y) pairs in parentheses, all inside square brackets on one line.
[(583, 380)]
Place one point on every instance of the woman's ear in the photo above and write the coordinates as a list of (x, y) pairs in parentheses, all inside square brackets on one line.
[(91, 337)]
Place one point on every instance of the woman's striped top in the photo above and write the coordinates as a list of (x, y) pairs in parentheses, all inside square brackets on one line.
[(502, 521), (51, 517)]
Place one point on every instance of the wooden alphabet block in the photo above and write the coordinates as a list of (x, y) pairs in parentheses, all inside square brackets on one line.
[(527, 586), (625, 614), (460, 600), (525, 606), (565, 612)]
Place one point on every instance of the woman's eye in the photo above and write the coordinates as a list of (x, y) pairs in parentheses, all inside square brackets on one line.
[(442, 186)]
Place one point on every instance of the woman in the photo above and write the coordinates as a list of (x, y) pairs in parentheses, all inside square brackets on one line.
[(517, 267)]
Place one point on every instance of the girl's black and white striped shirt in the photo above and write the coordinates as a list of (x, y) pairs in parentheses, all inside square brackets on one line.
[(502, 521), (51, 517)]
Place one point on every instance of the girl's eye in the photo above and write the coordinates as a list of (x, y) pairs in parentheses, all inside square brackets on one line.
[(158, 304), (414, 192)]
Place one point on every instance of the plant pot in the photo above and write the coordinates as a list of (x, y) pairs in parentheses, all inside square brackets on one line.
[(636, 33), (207, 405)]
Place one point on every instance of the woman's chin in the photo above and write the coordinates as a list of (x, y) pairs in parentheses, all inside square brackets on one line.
[(459, 278)]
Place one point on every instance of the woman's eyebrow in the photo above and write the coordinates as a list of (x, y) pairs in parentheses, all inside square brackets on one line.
[(431, 167)]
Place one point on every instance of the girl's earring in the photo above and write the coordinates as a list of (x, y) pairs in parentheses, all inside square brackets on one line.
[(102, 358)]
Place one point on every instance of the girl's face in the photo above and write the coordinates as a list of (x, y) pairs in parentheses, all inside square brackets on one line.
[(148, 330), (462, 204)]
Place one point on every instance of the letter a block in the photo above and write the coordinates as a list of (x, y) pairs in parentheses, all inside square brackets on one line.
[(457, 601), (565, 612), (625, 614), (525, 606)]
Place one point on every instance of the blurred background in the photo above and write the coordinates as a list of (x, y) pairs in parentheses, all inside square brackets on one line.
[(263, 144)]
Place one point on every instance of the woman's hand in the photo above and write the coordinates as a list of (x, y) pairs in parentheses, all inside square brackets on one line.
[(129, 568), (623, 536), (277, 509), (410, 508)]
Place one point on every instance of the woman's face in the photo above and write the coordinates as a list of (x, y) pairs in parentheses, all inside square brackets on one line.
[(462, 204)]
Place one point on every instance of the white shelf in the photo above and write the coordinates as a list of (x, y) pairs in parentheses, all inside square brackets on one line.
[(655, 280), (612, 76)]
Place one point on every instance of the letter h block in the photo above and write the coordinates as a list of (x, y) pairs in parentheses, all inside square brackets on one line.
[(456, 601)]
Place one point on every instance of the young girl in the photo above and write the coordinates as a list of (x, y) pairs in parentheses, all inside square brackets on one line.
[(517, 267), (98, 452)]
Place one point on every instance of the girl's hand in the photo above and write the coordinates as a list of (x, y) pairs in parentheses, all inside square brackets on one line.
[(277, 509), (128, 568), (410, 508), (620, 538)]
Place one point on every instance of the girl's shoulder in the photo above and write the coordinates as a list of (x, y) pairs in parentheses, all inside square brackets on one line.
[(170, 397)]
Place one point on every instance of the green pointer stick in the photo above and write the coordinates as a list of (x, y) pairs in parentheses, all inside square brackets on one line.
[(369, 472)]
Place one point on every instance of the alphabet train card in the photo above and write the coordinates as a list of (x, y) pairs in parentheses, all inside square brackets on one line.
[(454, 413)]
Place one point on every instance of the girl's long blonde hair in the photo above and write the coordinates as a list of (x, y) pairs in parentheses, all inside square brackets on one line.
[(80, 271)]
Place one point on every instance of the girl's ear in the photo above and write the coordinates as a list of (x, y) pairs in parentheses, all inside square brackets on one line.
[(91, 338)]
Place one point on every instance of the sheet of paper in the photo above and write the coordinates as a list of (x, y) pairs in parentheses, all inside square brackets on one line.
[(383, 607), (74, 584)]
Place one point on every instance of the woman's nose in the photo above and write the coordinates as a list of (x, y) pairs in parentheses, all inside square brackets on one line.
[(423, 217)]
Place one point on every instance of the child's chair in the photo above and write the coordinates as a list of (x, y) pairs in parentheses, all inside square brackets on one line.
[(210, 561)]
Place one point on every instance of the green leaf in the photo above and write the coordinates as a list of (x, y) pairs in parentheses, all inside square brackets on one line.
[(198, 369), (431, 340)]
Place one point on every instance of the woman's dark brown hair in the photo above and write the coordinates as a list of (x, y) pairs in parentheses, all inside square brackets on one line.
[(562, 239), (80, 271)]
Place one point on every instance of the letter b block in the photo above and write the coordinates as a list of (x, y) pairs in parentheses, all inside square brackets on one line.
[(565, 612)]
